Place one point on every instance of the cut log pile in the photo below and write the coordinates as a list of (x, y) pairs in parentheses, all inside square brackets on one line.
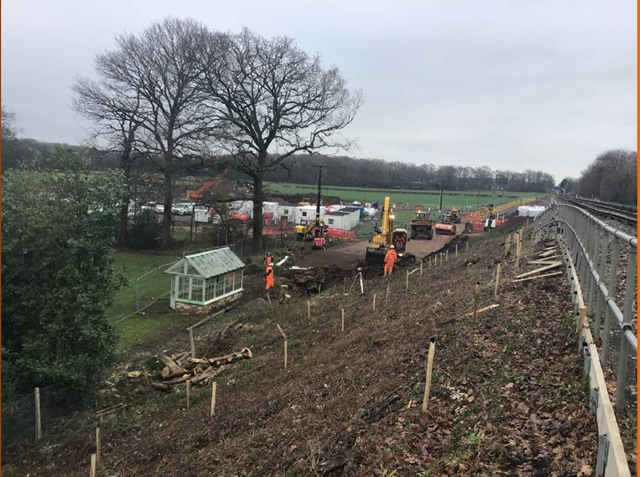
[(180, 368)]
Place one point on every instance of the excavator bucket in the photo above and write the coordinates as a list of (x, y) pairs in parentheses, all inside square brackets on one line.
[(375, 255)]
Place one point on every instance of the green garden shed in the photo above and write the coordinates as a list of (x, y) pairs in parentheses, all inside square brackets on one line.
[(206, 280)]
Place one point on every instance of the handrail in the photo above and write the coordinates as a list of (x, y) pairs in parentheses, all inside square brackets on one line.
[(588, 239)]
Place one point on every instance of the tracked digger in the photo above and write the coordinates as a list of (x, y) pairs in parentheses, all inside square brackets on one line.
[(385, 236)]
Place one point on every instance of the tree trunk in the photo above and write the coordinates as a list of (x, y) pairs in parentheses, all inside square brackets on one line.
[(125, 165), (166, 216), (257, 214)]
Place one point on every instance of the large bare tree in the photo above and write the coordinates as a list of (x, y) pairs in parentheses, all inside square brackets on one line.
[(160, 66), (116, 118), (270, 100)]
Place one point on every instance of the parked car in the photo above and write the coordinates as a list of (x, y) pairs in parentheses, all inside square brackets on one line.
[(149, 206), (181, 209), (159, 208)]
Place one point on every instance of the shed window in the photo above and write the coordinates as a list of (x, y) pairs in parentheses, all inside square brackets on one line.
[(210, 289), (286, 211), (183, 288), (228, 283), (196, 289), (304, 214), (330, 221)]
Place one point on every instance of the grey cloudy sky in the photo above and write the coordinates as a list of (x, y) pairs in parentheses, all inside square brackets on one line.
[(511, 84)]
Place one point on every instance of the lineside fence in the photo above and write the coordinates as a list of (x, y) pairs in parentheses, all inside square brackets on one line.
[(596, 251)]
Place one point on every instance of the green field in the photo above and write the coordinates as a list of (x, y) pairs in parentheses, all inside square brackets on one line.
[(157, 319), (399, 196)]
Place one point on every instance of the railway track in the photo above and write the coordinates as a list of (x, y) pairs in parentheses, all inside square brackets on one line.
[(620, 213)]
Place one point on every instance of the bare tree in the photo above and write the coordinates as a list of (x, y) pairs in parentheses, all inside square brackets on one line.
[(116, 118), (160, 67), (9, 135), (272, 100)]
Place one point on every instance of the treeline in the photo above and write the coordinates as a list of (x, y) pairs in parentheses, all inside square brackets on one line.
[(376, 173), (342, 171), (611, 177)]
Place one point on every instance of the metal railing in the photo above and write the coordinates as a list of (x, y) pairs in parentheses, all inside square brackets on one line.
[(596, 252)]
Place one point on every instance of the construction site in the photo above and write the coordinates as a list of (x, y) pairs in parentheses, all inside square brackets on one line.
[(478, 354)]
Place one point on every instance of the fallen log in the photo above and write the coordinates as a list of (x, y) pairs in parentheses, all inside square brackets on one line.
[(161, 387), (209, 373), (482, 309), (171, 364)]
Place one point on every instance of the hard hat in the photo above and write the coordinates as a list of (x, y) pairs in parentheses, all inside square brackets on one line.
[(393, 246)]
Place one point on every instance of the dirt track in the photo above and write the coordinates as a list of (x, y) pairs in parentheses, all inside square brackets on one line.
[(347, 255)]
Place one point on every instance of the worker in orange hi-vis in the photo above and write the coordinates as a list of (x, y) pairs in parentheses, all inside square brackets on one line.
[(389, 260), (269, 275), (268, 259)]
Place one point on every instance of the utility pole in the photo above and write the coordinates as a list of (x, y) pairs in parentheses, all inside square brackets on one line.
[(317, 231)]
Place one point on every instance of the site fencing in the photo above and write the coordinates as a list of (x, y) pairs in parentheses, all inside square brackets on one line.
[(605, 261), (155, 286)]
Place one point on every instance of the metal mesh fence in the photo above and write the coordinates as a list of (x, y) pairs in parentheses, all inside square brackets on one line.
[(19, 421), (155, 286)]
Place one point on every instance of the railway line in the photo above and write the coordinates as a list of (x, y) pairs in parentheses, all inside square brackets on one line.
[(616, 212)]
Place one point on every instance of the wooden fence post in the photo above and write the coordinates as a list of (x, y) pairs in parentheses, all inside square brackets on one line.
[(387, 297), (374, 302), (93, 465), (188, 393), (447, 256), (97, 441), (38, 419), (475, 302), (308, 308), (517, 251), (467, 246), (427, 384), (193, 345), (343, 319), (407, 287), (495, 291), (214, 388), (420, 268), (285, 345)]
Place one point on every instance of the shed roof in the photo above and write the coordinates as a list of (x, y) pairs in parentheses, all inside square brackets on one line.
[(341, 213), (209, 264)]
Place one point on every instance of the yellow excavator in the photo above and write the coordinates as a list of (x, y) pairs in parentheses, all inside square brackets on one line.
[(385, 236), (308, 230)]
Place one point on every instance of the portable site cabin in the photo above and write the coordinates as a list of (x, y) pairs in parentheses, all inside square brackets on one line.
[(307, 213), (206, 280), (342, 219)]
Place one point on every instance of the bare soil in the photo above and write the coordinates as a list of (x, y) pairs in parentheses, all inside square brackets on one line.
[(507, 394)]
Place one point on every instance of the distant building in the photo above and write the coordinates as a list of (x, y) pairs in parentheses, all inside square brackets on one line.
[(559, 190)]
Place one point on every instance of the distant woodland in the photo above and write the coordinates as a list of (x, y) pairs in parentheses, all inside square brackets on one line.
[(341, 171), (611, 177)]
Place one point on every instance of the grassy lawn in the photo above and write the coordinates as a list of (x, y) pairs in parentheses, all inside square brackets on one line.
[(159, 316), (427, 198)]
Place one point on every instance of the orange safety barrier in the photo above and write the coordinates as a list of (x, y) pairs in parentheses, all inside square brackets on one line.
[(340, 233)]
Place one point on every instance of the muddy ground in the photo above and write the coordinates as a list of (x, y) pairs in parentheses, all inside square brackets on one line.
[(351, 253), (507, 398)]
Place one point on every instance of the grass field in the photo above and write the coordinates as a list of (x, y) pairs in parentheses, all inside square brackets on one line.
[(411, 197), (136, 328)]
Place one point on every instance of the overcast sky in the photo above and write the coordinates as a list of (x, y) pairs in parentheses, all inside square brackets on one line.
[(515, 84)]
